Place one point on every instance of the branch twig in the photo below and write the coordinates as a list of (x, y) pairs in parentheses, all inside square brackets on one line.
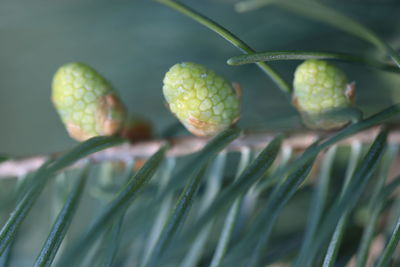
[(181, 146)]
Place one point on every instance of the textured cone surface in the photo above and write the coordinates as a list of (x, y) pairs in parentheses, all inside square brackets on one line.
[(202, 100), (320, 87), (86, 102)]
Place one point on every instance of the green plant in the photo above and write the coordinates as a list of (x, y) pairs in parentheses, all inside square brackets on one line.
[(236, 199), (86, 102), (202, 100), (319, 88)]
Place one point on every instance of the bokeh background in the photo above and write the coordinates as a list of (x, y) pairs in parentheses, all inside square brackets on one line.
[(133, 43)]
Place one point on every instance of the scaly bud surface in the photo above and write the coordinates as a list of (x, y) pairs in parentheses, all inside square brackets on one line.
[(86, 102), (203, 101), (320, 87)]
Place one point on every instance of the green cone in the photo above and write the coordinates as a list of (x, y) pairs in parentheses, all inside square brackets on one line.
[(203, 101), (320, 88), (86, 102)]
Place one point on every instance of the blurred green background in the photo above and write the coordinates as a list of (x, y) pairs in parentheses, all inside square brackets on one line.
[(133, 43)]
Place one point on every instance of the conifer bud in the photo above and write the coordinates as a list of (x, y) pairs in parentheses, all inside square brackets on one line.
[(320, 88), (86, 102), (203, 101)]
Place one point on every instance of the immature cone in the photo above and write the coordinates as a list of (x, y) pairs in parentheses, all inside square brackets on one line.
[(320, 88), (203, 101), (86, 102)]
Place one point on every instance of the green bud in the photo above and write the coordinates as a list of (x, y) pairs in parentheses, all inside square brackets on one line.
[(203, 101), (86, 102), (321, 88)]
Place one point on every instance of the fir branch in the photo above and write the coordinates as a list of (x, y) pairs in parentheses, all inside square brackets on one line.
[(181, 146)]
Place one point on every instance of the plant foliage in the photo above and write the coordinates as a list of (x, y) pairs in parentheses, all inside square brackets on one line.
[(228, 207)]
